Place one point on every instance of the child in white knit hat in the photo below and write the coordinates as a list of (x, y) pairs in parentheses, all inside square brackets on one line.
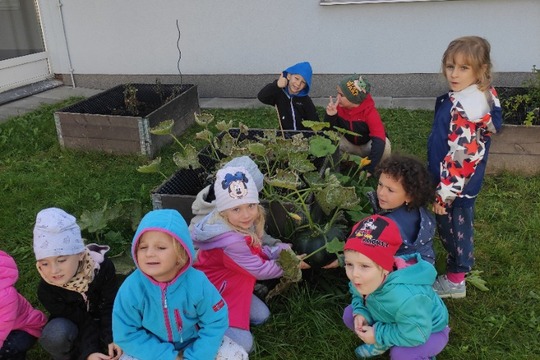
[(77, 288), (231, 253)]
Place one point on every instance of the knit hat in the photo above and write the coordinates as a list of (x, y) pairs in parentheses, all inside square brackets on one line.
[(56, 233), (251, 167), (376, 237), (234, 186), (355, 88)]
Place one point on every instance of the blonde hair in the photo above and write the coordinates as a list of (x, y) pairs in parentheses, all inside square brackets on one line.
[(476, 53), (180, 251), (259, 223)]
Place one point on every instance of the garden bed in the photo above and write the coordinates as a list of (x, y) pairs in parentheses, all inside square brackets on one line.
[(118, 120)]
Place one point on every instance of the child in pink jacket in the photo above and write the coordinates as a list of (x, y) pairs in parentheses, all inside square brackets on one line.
[(21, 323)]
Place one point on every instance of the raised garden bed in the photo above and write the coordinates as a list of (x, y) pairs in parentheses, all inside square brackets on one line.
[(516, 147), (179, 191), (118, 120)]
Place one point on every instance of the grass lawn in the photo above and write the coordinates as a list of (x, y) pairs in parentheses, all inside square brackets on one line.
[(502, 323)]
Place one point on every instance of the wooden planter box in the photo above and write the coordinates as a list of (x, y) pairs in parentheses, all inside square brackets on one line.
[(100, 122), (517, 149)]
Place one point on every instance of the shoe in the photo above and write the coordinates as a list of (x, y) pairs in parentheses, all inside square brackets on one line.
[(366, 351), (447, 289)]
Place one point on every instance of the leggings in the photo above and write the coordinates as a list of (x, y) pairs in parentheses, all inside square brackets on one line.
[(16, 344)]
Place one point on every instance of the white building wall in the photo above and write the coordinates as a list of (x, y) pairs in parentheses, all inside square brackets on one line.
[(123, 37)]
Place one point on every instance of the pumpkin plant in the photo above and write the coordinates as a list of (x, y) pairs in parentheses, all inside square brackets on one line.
[(303, 178)]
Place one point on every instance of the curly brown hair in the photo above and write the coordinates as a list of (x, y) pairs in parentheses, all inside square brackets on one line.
[(413, 176)]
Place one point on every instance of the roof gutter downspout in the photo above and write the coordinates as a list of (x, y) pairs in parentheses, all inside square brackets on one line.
[(60, 5)]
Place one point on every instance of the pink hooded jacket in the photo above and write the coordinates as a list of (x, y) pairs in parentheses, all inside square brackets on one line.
[(16, 313)]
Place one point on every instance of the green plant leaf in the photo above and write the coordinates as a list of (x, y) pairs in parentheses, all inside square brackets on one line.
[(474, 279), (163, 128), (335, 246), (320, 146), (150, 168), (204, 118), (189, 158), (285, 179), (316, 125)]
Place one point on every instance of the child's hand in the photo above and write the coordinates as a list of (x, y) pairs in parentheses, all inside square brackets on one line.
[(98, 356), (438, 209), (359, 323), (331, 108), (334, 264), (303, 265), (367, 335), (114, 351), (282, 81)]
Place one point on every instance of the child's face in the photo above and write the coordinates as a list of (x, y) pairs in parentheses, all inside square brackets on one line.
[(157, 256), (242, 216), (391, 193), (296, 83), (343, 101), (459, 74), (58, 270), (364, 274)]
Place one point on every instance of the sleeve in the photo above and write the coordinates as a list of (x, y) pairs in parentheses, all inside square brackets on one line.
[(269, 93), (460, 163), (128, 331), (376, 153), (261, 269), (8, 312), (108, 293), (272, 252), (213, 321), (269, 240), (59, 304), (359, 307), (412, 325), (311, 110)]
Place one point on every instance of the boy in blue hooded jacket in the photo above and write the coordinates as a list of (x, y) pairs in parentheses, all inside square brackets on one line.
[(289, 94), (166, 309)]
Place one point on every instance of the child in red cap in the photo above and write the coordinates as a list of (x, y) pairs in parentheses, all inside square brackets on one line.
[(393, 303)]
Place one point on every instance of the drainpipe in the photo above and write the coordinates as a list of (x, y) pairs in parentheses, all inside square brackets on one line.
[(67, 45)]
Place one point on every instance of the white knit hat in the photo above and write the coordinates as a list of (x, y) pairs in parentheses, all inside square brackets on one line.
[(252, 168), (56, 233), (234, 186)]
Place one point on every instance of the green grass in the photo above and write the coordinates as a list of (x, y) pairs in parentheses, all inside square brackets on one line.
[(503, 323)]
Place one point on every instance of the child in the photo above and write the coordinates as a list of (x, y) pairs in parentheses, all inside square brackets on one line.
[(77, 288), (458, 148), (403, 191), (166, 309), (289, 94), (205, 201), (354, 110), (231, 253), (393, 303), (21, 323)]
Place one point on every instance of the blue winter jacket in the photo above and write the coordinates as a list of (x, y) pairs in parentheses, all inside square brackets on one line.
[(417, 229), (154, 320), (404, 310)]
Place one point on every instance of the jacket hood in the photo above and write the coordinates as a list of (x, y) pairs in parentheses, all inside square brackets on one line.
[(357, 112), (304, 69), (419, 273), (168, 221), (212, 232), (8, 271)]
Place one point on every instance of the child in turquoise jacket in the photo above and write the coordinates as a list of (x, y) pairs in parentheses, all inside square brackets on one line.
[(166, 309)]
